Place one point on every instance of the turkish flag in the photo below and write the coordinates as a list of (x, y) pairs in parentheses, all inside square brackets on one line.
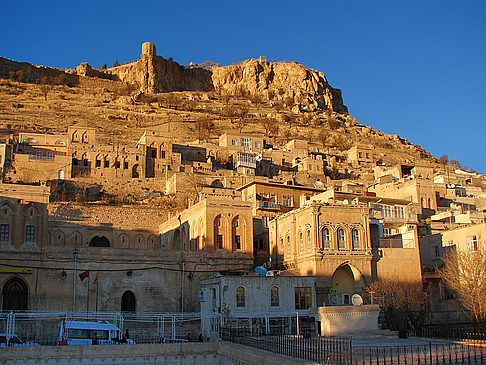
[(84, 275)]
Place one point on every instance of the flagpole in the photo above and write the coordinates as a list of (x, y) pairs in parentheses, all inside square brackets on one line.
[(87, 299), (97, 287)]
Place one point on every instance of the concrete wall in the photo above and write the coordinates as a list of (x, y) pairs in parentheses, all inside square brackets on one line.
[(222, 353)]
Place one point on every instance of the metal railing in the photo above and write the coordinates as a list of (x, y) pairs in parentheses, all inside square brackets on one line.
[(456, 331), (432, 354), (321, 350)]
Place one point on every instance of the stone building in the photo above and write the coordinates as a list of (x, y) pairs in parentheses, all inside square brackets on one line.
[(241, 142), (335, 243)]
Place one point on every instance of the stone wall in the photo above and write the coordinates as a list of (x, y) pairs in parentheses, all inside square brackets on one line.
[(223, 353)]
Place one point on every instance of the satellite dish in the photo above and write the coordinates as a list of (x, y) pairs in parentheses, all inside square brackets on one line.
[(356, 299), (345, 202), (260, 270), (319, 183)]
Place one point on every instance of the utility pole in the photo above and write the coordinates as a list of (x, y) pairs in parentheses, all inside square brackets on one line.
[(75, 254)]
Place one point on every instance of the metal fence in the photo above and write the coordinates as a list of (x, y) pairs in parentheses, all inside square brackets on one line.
[(456, 331), (432, 354), (321, 350), (35, 328)]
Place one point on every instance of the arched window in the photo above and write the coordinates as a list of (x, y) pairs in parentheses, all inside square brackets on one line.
[(282, 245), (422, 202), (288, 244), (429, 203), (219, 232), (301, 242), (176, 240), (326, 238), (128, 302), (309, 241), (341, 239), (15, 295), (274, 297), (355, 236), (240, 297)]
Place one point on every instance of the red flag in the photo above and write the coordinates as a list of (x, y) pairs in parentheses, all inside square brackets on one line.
[(84, 275)]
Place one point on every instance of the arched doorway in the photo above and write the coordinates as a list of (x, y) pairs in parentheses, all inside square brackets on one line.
[(136, 171), (97, 241), (15, 295), (176, 240), (346, 281), (128, 302)]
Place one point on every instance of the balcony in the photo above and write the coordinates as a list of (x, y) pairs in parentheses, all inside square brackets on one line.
[(267, 205)]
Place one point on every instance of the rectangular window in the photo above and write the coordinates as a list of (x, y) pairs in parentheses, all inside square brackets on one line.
[(246, 142), (287, 201), (238, 242), (360, 154), (154, 153), (117, 164), (219, 241), (107, 163), (125, 165), (38, 155), (49, 155), (162, 154), (257, 144), (472, 243), (368, 156), (4, 229), (85, 162), (29, 234), (274, 297), (234, 142), (98, 163), (75, 161), (303, 298)]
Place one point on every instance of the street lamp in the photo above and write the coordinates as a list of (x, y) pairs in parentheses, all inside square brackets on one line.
[(75, 254)]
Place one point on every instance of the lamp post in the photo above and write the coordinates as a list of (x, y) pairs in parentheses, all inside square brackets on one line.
[(75, 254)]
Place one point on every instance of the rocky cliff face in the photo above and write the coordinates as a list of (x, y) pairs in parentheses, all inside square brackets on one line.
[(154, 74), (308, 88)]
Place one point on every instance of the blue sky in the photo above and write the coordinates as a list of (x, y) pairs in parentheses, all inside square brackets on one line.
[(413, 68)]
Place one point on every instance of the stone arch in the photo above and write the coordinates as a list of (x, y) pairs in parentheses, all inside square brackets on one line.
[(308, 237), (59, 238), (153, 241), (217, 184), (326, 237), (342, 237), (140, 241), (300, 238), (220, 227), (123, 241), (15, 295), (176, 240), (76, 238), (136, 171), (6, 209), (128, 302), (357, 238), (240, 297), (346, 281), (238, 233), (99, 241), (30, 211)]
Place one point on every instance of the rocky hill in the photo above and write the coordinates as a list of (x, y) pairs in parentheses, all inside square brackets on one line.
[(281, 100)]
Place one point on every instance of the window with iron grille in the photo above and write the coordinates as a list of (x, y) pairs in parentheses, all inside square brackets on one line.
[(4, 232), (29, 233)]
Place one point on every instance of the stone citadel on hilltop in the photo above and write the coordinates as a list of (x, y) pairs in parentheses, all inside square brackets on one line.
[(173, 181)]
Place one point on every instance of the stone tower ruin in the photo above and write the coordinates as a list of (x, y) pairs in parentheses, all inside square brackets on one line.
[(148, 49)]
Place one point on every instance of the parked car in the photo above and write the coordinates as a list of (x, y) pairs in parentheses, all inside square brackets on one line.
[(13, 341), (90, 333)]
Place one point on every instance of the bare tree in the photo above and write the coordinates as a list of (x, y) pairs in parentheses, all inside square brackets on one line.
[(464, 271), (270, 125), (203, 127), (401, 302)]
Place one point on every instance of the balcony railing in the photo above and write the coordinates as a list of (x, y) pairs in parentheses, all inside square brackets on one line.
[(267, 205)]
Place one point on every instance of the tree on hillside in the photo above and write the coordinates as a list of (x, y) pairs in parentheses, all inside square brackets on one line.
[(45, 87), (322, 137), (270, 125), (401, 303), (116, 63), (203, 127), (464, 271), (103, 66)]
